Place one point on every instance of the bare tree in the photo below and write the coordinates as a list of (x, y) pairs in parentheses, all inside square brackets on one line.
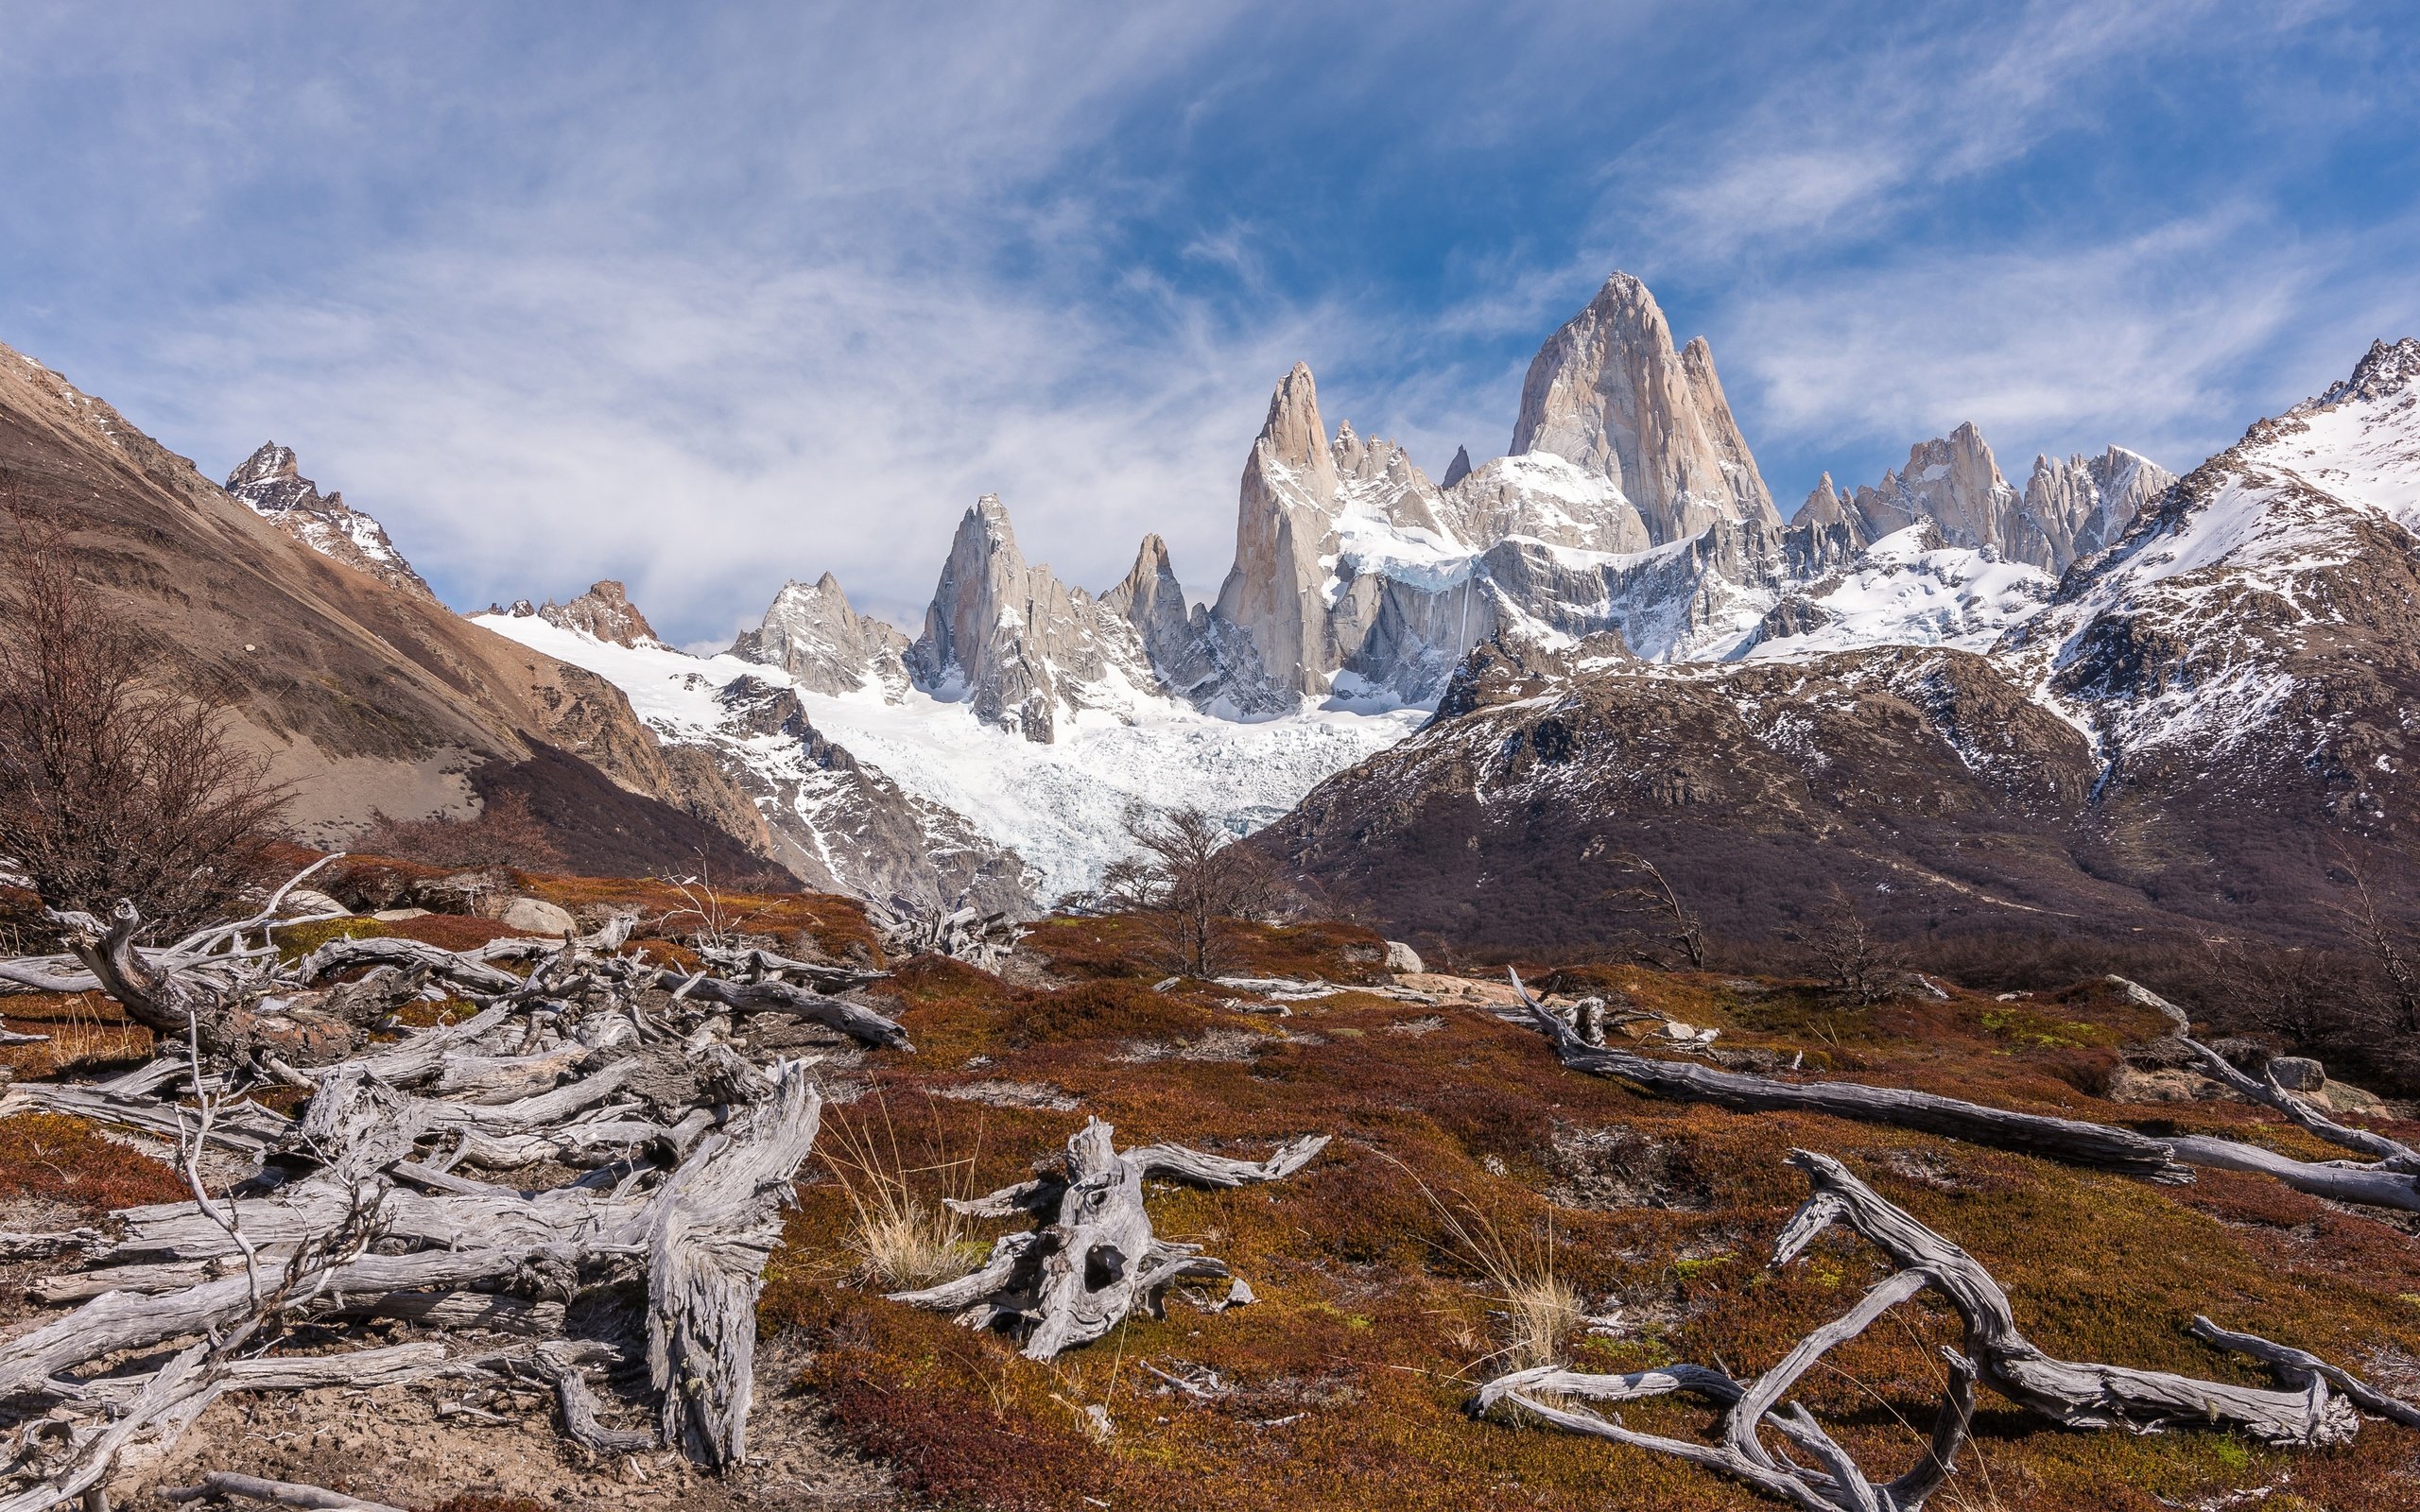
[(1192, 879), (1668, 920), (1848, 954), (2389, 949), (113, 785)]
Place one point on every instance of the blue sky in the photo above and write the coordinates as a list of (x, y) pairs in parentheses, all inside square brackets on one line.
[(708, 297)]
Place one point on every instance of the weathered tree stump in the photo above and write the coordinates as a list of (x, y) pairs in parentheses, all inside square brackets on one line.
[(1093, 1259)]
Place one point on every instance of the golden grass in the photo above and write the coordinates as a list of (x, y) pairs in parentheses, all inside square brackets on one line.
[(902, 1233)]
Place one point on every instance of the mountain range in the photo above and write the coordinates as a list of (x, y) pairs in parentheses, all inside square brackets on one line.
[(2112, 699)]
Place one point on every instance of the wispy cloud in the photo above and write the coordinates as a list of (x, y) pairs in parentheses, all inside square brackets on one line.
[(711, 298)]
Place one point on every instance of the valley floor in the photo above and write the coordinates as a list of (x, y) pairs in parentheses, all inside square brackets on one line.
[(1463, 1154)]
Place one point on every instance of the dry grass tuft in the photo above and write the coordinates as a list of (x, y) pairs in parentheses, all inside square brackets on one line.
[(903, 1233), (1538, 1311)]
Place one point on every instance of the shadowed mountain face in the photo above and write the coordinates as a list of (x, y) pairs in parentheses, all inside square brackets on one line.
[(2201, 730), (364, 691)]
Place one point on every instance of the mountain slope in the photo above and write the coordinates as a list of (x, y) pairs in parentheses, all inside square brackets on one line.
[(367, 696)]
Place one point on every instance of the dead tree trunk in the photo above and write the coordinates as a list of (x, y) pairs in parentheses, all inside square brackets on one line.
[(1095, 1258)]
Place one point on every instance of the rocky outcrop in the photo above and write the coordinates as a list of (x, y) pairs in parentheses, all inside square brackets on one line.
[(1024, 648), (270, 484), (810, 632), (605, 612), (1609, 394), (1459, 468), (2083, 504)]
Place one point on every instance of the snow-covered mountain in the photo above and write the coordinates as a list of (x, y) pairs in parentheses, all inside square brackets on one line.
[(889, 791), (1032, 714), (2201, 724)]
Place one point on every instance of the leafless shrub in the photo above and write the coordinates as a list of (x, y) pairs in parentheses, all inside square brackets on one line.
[(113, 785), (1844, 949), (505, 833), (1191, 881)]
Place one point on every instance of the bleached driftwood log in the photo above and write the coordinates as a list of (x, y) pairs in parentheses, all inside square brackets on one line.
[(2074, 1141), (1993, 1353), (964, 934), (223, 1485), (1095, 1258)]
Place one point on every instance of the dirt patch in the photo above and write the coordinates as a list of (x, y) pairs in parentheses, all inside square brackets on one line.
[(1603, 1169), (391, 1445), (1009, 1094)]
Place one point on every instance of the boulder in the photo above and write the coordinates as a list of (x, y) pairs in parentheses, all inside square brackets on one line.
[(303, 901), (1402, 957), (535, 916), (2298, 1073)]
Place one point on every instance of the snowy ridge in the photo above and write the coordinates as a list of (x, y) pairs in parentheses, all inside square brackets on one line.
[(2182, 638), (1908, 590)]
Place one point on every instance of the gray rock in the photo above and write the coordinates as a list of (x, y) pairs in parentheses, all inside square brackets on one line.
[(2298, 1073), (1402, 957), (535, 916)]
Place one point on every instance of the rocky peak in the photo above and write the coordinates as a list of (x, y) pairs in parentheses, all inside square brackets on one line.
[(1459, 468), (604, 612), (1827, 505), (1955, 482), (2083, 504), (1608, 393), (2383, 371), (271, 485), (811, 632), (1175, 637), (1293, 436), (1022, 646)]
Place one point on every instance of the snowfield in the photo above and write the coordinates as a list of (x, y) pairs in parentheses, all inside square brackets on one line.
[(1060, 806)]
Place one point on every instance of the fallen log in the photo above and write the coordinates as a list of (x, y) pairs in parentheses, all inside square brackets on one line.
[(2167, 1158), (1095, 1259), (2070, 1141), (220, 1485), (859, 1024)]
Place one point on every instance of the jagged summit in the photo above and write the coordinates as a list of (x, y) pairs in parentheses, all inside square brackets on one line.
[(1826, 504), (1459, 467), (271, 485), (604, 611), (811, 632), (1609, 394), (1024, 648), (2383, 371)]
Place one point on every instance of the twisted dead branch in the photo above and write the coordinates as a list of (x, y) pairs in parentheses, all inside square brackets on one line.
[(2390, 1182), (1993, 1353), (357, 1207)]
